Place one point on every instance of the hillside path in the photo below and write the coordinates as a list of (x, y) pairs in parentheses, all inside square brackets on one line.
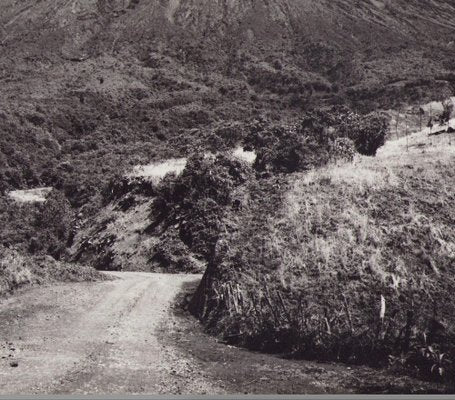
[(95, 338)]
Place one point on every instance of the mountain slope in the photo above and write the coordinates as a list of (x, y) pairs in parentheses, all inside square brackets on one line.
[(342, 22), (315, 36), (91, 88)]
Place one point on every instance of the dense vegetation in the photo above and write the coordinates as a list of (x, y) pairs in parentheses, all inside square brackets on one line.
[(127, 82), (350, 264), (187, 210), (353, 263), (40, 228), (315, 139)]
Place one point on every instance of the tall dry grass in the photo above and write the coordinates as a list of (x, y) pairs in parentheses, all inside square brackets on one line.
[(18, 270), (355, 263)]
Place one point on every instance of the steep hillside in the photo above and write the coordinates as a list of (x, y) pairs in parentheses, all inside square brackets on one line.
[(92, 87), (354, 263)]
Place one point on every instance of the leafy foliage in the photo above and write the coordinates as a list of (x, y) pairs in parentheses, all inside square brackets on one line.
[(38, 228), (315, 139), (197, 200), (368, 132), (447, 112)]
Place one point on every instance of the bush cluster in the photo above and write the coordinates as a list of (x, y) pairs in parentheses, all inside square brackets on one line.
[(317, 138), (368, 132), (196, 200), (45, 228)]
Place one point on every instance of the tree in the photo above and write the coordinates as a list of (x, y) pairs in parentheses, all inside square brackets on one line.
[(54, 223), (368, 132), (447, 112)]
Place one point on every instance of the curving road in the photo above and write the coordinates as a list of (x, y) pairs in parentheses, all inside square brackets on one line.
[(124, 337), (95, 339)]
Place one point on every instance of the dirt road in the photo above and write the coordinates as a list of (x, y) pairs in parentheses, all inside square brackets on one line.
[(95, 338), (126, 337)]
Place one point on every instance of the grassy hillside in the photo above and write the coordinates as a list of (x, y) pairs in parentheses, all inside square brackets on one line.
[(18, 271), (173, 223), (354, 263)]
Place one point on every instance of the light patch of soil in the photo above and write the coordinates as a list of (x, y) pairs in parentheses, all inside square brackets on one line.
[(379, 4), (247, 156), (436, 106), (171, 9), (37, 195), (158, 170)]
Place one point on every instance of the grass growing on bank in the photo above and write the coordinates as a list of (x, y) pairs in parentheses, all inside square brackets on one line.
[(18, 270), (354, 263)]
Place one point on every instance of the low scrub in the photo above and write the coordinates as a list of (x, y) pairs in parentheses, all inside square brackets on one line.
[(18, 270)]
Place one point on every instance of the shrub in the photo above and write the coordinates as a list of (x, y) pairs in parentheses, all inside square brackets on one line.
[(368, 132), (447, 112), (54, 223), (292, 151), (310, 142), (196, 200), (342, 149), (200, 232)]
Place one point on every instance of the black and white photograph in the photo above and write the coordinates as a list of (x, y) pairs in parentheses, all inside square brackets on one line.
[(227, 198)]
